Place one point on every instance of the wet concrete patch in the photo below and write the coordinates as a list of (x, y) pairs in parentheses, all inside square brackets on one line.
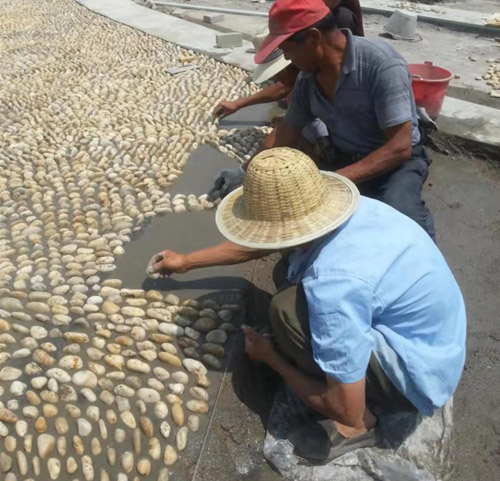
[(253, 116), (199, 173), (185, 233), (181, 233)]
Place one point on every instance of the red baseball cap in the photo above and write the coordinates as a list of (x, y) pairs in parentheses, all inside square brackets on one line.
[(287, 17)]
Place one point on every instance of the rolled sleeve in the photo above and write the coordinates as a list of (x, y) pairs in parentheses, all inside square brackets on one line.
[(340, 316), (299, 114), (392, 94)]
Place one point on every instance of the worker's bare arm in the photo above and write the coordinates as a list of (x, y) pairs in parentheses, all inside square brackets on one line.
[(286, 135), (283, 135), (272, 93), (226, 253), (344, 403), (395, 151)]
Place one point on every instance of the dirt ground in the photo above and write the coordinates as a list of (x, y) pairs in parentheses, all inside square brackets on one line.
[(464, 195)]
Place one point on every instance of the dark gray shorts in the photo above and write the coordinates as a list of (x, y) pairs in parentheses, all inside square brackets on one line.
[(290, 323)]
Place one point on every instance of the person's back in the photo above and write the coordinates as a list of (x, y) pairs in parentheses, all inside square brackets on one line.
[(413, 315)]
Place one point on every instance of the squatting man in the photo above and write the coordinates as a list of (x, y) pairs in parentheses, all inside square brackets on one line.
[(370, 319)]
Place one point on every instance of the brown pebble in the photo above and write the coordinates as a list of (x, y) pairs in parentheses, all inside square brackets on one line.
[(40, 425), (78, 445), (170, 455), (33, 398), (144, 467), (178, 414), (136, 440), (202, 380), (147, 426), (7, 416), (169, 359), (160, 338)]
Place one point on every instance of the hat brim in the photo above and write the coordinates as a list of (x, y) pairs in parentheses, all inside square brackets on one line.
[(264, 71), (339, 204), (270, 43)]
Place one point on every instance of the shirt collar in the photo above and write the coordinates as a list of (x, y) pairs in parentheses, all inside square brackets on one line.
[(350, 52), (300, 259)]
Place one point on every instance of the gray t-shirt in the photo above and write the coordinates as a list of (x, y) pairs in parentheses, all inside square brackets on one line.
[(372, 94)]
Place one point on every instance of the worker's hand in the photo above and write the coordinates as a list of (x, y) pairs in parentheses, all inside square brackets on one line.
[(226, 181), (225, 108), (258, 346), (166, 263)]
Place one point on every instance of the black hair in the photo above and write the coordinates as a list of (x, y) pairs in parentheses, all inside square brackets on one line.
[(326, 24)]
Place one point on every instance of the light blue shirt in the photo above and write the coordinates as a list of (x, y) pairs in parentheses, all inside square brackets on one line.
[(379, 283)]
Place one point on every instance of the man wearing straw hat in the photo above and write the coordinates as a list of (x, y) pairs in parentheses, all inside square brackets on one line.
[(370, 320), (361, 89)]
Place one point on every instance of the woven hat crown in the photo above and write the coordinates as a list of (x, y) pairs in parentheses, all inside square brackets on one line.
[(282, 184)]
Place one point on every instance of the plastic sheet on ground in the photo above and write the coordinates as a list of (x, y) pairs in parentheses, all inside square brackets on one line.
[(416, 448)]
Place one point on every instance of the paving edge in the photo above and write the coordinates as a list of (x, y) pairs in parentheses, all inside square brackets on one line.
[(472, 122)]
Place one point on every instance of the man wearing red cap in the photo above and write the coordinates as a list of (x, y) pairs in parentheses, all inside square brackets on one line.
[(361, 90)]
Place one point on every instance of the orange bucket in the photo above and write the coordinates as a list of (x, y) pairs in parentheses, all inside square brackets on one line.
[(429, 84)]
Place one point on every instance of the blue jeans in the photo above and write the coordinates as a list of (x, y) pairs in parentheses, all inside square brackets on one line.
[(401, 188)]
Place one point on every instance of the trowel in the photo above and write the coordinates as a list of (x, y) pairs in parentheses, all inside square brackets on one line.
[(181, 68)]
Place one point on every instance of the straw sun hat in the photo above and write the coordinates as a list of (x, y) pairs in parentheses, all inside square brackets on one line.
[(285, 201)]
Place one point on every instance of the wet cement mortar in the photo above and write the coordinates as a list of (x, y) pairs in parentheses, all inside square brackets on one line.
[(464, 195)]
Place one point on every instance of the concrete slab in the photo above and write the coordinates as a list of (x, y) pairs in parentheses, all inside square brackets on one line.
[(181, 233), (464, 196), (470, 121), (213, 17), (229, 40), (454, 53), (447, 49)]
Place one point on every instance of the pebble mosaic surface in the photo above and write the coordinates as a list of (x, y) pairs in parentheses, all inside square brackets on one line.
[(98, 381)]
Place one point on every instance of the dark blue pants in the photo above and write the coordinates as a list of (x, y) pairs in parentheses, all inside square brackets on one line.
[(402, 189)]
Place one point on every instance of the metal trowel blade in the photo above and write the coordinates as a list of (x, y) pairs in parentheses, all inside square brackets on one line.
[(181, 68)]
